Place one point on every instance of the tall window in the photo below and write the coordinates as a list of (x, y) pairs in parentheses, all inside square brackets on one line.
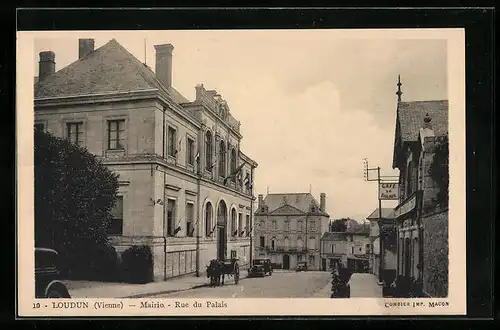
[(312, 243), (273, 243), (116, 225), (222, 159), (333, 247), (287, 242), (172, 141), (409, 179), (262, 241), (300, 243), (300, 225), (208, 219), (190, 219), (234, 229), (247, 225), (312, 225), (240, 224), (233, 164), (171, 217), (287, 225), (190, 151), (75, 133), (116, 134), (208, 150)]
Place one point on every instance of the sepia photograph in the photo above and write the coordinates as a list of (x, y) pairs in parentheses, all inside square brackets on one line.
[(212, 165)]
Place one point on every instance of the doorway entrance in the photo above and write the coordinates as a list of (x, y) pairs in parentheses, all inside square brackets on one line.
[(221, 231), (286, 261)]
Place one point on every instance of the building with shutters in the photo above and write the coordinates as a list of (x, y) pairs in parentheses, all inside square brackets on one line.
[(288, 228), (186, 187), (390, 255)]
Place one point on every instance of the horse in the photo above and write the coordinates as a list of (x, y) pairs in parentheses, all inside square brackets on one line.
[(214, 272)]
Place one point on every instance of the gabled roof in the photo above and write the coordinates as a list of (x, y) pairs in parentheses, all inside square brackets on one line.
[(387, 213), (360, 230), (300, 201), (410, 118), (110, 68)]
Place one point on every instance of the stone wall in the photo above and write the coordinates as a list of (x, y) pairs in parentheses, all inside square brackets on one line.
[(435, 252)]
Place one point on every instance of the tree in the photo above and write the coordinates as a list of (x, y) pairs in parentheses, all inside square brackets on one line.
[(74, 196), (339, 225), (439, 170)]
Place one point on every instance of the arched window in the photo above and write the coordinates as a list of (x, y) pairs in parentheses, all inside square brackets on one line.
[(208, 150), (234, 228), (208, 219), (273, 243), (233, 164), (222, 159)]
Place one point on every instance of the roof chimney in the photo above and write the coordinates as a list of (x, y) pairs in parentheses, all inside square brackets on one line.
[(85, 47), (322, 202), (164, 64), (261, 199), (47, 64)]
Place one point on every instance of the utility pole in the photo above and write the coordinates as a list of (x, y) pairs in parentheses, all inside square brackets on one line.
[(380, 221)]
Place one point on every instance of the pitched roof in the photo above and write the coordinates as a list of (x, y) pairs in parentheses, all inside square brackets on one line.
[(387, 213), (411, 118), (300, 201), (110, 68), (333, 236)]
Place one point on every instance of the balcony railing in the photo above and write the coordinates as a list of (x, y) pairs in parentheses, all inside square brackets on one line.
[(278, 249)]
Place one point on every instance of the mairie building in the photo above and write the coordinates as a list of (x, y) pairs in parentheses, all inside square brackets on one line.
[(185, 185)]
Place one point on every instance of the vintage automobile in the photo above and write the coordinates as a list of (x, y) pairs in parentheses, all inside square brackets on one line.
[(260, 267), (301, 266), (47, 280)]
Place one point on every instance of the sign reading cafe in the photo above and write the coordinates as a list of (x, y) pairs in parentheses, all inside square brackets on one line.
[(388, 191)]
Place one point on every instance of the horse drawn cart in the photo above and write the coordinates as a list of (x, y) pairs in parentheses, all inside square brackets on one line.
[(217, 270)]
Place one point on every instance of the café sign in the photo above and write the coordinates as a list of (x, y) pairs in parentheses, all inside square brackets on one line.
[(388, 191)]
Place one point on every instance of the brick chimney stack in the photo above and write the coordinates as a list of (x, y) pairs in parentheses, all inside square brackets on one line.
[(322, 202), (163, 67), (47, 64), (85, 47)]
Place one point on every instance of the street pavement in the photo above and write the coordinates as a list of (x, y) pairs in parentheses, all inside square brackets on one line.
[(278, 285), (364, 285)]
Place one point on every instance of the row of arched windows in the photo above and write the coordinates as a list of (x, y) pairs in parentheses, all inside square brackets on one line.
[(237, 227), (222, 159)]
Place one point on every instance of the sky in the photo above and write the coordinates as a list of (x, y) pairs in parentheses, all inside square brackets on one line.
[(312, 103)]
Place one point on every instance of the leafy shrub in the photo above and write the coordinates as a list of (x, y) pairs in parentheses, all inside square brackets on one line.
[(74, 196), (137, 264)]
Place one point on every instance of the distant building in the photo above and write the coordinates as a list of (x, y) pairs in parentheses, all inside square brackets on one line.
[(288, 228), (422, 221), (352, 247), (185, 184), (375, 243)]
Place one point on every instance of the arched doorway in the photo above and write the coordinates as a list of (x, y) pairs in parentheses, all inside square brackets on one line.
[(221, 231), (286, 261)]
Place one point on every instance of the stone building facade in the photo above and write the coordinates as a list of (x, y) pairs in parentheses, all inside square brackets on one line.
[(185, 184), (352, 248), (421, 222), (288, 228)]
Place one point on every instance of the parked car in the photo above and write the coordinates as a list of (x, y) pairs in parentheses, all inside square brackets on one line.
[(260, 267), (47, 281), (301, 266)]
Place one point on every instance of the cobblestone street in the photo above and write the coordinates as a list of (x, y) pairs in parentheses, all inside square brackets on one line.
[(279, 285)]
